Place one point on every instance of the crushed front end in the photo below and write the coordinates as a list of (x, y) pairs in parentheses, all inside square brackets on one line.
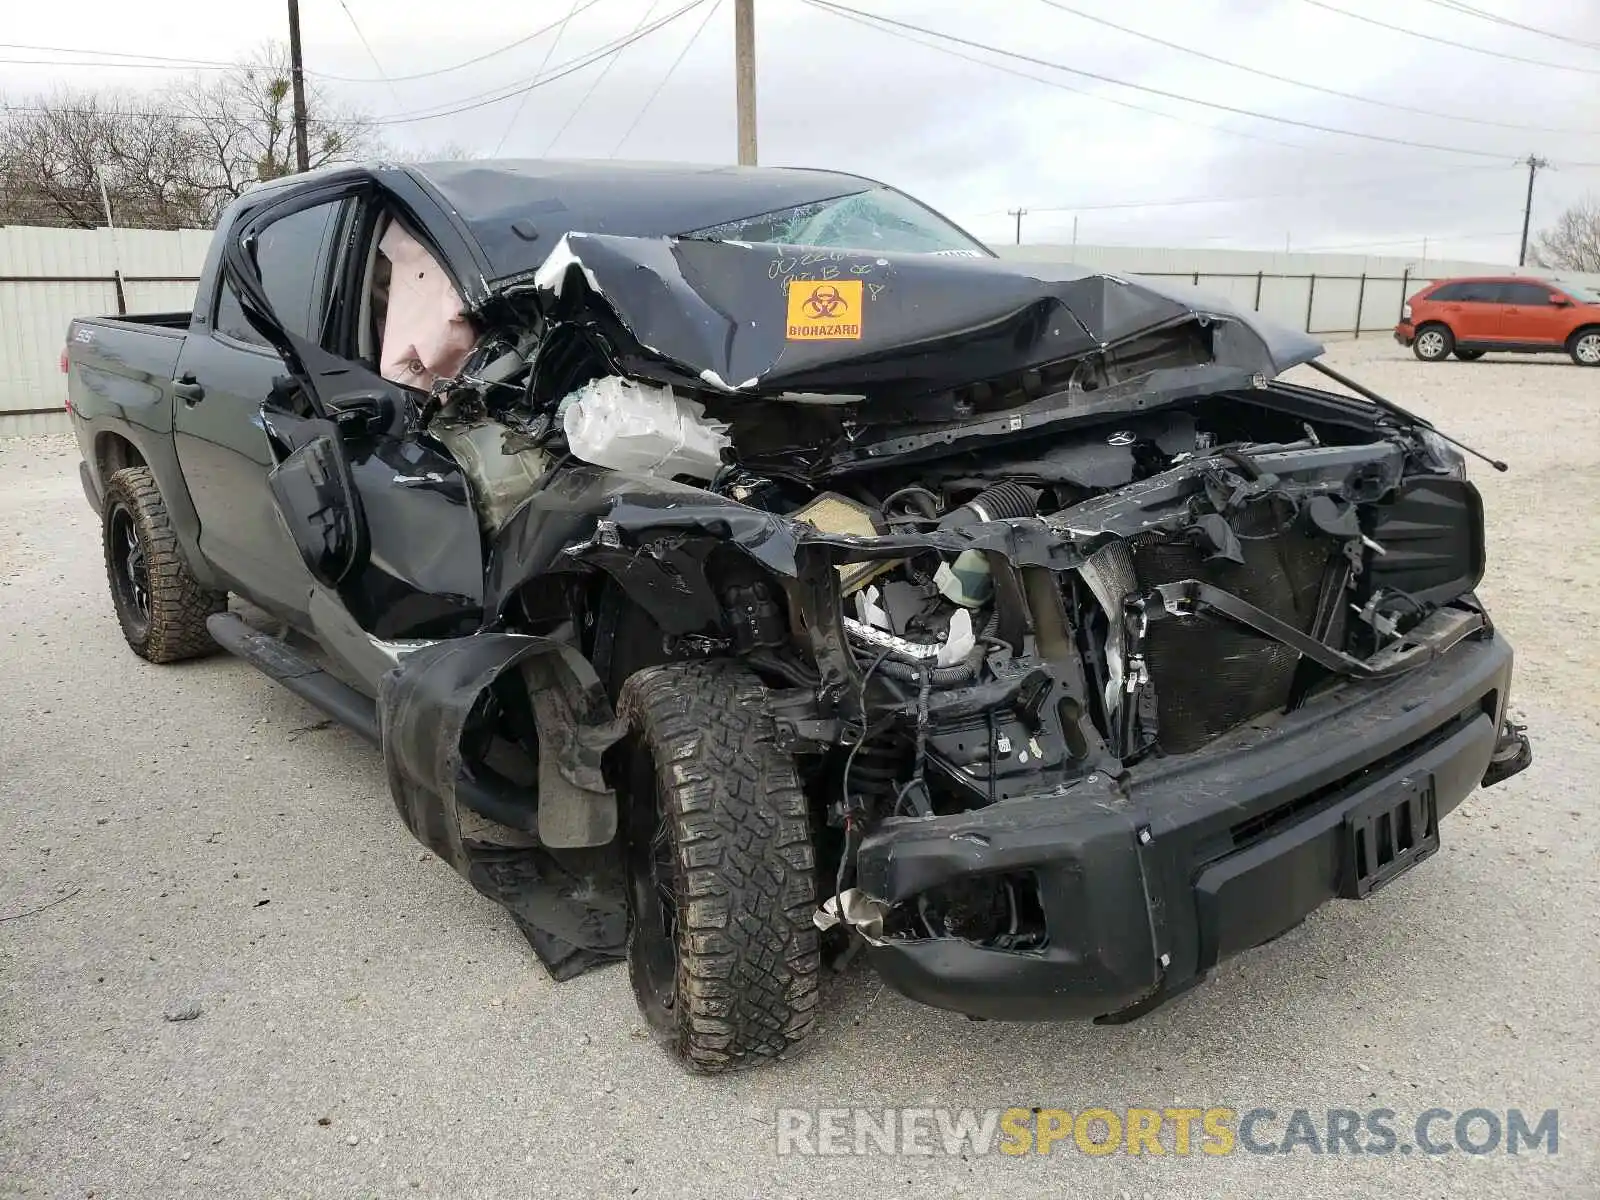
[(1102, 654)]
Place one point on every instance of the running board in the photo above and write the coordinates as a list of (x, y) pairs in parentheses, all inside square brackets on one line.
[(278, 660)]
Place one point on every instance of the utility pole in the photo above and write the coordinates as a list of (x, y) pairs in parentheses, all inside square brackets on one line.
[(744, 74), (1534, 165), (1018, 213), (297, 81)]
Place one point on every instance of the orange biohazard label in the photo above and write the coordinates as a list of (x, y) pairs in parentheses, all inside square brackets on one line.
[(824, 311)]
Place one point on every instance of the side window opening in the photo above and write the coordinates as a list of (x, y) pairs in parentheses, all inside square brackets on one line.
[(291, 256)]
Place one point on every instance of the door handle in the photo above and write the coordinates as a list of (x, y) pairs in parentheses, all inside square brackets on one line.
[(187, 390)]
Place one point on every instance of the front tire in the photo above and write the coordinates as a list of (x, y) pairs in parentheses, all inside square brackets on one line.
[(722, 952), (161, 606), (1433, 343), (1585, 347)]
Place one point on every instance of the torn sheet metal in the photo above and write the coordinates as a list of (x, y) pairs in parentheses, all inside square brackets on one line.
[(766, 319), (570, 904)]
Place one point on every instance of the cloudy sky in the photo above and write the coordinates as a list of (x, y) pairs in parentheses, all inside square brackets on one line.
[(980, 134)]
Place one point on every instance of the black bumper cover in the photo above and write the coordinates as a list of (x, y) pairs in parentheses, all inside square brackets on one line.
[(1203, 856)]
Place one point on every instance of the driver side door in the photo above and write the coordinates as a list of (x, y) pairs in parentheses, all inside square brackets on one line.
[(380, 517)]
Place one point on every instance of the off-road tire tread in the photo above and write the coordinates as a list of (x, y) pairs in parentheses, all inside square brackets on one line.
[(179, 605), (749, 958)]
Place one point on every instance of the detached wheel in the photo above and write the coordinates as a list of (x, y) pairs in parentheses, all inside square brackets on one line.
[(722, 952), (1433, 342), (1470, 355), (160, 605), (1585, 347)]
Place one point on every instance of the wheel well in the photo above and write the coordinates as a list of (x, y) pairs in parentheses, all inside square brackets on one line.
[(113, 452), (1436, 322), (1592, 327)]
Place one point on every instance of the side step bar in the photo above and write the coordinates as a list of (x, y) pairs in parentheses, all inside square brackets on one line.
[(277, 660)]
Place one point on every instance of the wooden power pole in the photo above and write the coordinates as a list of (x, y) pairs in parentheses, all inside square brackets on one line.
[(1534, 164), (297, 82), (744, 50)]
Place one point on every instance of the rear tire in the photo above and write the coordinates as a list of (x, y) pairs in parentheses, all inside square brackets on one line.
[(722, 952), (1584, 346), (159, 603), (1433, 343), (1470, 355)]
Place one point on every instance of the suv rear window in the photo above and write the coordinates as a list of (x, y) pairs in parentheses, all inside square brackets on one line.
[(1468, 291)]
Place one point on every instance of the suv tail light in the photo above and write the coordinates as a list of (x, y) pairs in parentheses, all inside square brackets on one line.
[(1405, 312)]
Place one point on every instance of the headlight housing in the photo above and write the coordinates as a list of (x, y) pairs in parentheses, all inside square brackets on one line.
[(1445, 456)]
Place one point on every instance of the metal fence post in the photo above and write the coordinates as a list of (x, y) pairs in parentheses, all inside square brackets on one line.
[(1311, 298), (1197, 279), (1405, 286), (1361, 299), (1258, 291)]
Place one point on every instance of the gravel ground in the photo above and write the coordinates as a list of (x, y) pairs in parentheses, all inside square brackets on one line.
[(370, 1026)]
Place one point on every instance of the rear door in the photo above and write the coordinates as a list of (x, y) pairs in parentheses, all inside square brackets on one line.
[(1473, 312), (226, 372), (1528, 315)]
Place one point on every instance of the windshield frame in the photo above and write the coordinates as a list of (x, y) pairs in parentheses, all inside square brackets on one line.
[(728, 231)]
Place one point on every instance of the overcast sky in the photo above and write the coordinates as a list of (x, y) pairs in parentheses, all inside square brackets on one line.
[(973, 140)]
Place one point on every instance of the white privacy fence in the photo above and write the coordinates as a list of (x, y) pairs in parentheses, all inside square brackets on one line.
[(49, 276)]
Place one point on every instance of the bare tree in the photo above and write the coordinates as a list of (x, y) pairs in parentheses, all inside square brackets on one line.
[(1573, 242), (171, 158), (245, 122), (55, 152)]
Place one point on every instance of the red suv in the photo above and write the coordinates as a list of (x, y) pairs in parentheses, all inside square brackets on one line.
[(1470, 317)]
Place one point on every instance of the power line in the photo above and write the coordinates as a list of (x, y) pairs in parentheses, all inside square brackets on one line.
[(392, 79), (208, 62), (148, 66), (1429, 37), (828, 6), (561, 72), (543, 62), (1308, 191), (1496, 18), (356, 25), (595, 83), (651, 99), (1300, 83), (1077, 91)]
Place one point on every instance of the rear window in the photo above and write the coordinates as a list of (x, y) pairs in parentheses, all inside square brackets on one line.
[(1468, 291)]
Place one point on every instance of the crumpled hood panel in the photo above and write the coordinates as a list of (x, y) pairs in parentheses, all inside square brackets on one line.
[(762, 318)]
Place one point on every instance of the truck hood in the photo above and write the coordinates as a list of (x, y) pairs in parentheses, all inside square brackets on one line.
[(765, 319)]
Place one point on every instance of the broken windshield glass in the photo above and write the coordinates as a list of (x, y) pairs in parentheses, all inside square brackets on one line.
[(877, 219)]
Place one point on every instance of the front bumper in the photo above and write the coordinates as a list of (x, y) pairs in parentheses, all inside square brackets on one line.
[(1145, 889), (1405, 333)]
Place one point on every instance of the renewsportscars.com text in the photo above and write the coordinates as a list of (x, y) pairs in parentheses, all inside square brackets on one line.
[(1212, 1131)]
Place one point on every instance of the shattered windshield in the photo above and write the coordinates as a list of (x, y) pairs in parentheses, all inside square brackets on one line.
[(879, 219)]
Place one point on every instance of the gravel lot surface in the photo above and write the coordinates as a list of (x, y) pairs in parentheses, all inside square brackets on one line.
[(368, 1025)]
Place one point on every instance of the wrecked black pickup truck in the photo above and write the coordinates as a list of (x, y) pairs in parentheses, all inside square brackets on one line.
[(737, 563)]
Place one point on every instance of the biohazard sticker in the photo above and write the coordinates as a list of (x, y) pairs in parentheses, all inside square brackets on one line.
[(824, 312)]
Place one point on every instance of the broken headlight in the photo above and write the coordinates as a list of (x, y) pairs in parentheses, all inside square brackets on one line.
[(1444, 456)]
